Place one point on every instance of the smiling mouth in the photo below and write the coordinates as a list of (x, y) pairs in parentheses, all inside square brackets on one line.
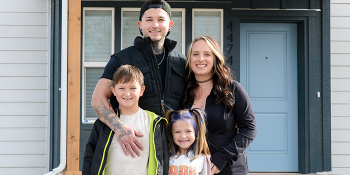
[(127, 99), (201, 65)]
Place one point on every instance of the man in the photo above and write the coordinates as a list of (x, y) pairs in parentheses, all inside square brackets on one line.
[(162, 66)]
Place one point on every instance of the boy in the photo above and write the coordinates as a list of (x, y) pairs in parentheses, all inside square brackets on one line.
[(103, 153)]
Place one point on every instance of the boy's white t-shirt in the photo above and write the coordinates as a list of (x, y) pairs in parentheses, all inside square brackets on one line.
[(183, 165), (117, 161)]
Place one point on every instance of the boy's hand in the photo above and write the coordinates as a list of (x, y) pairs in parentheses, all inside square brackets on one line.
[(126, 136)]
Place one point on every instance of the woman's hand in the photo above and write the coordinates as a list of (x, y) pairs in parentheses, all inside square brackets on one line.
[(214, 169)]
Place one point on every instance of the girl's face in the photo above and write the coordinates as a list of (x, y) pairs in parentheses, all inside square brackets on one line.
[(183, 135), (202, 60)]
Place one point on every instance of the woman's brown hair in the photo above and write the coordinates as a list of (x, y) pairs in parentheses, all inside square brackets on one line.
[(222, 78)]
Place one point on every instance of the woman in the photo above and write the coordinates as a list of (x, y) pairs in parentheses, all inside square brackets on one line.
[(210, 87)]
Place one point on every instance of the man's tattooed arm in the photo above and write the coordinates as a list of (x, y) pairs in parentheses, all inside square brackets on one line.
[(104, 110)]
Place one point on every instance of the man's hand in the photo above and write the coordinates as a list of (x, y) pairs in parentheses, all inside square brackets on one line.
[(126, 136), (214, 169)]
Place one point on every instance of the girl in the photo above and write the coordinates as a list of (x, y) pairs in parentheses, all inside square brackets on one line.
[(189, 152)]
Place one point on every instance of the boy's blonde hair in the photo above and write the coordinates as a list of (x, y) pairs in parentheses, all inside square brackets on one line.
[(196, 117), (128, 73)]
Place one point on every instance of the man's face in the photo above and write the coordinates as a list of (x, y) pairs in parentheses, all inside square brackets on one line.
[(155, 23)]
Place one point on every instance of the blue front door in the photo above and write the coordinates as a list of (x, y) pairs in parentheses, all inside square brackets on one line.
[(268, 72)]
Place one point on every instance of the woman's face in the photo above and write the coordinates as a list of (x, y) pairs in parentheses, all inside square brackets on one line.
[(202, 60)]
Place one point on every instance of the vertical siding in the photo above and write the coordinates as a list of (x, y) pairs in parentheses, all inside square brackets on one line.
[(24, 87), (340, 82)]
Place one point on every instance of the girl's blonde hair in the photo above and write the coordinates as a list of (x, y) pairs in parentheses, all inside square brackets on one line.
[(196, 117)]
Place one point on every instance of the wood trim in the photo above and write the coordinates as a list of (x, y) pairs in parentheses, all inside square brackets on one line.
[(73, 75)]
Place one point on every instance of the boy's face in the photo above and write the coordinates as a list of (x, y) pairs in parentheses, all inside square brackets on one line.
[(155, 23), (128, 94)]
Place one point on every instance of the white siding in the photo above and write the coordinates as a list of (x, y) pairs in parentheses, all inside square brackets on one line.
[(340, 85), (24, 87)]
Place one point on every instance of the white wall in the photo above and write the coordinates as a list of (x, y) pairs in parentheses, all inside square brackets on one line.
[(24, 86), (340, 85)]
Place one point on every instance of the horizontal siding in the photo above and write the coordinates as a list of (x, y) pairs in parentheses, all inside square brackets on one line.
[(341, 161), (340, 22), (340, 71), (340, 86), (29, 109), (25, 148), (19, 170), (27, 56), (23, 19), (340, 123), (22, 134), (24, 43), (340, 98), (341, 135), (340, 2), (24, 87), (340, 59), (338, 34), (23, 6), (341, 148), (24, 121), (340, 47), (341, 171), (14, 161), (31, 70), (341, 9), (340, 110), (23, 31), (22, 96), (24, 83)]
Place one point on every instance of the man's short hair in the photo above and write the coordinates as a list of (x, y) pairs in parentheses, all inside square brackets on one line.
[(128, 73)]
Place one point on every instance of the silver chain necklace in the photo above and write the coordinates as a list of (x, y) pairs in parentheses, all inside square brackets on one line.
[(163, 57)]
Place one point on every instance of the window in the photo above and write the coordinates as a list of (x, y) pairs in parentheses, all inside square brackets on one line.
[(98, 45), (208, 22)]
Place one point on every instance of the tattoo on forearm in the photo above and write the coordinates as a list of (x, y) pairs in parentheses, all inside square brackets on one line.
[(105, 112)]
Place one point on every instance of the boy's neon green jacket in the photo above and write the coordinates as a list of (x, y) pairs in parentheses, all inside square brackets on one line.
[(96, 150)]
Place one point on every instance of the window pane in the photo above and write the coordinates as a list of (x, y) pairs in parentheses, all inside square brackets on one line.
[(176, 31), (208, 23), (98, 35), (92, 77), (130, 28)]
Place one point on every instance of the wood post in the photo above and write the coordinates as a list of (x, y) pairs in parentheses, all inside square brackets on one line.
[(73, 108)]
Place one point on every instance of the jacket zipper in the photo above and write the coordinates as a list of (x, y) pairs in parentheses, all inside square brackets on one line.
[(160, 83), (104, 153), (165, 84), (154, 129)]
